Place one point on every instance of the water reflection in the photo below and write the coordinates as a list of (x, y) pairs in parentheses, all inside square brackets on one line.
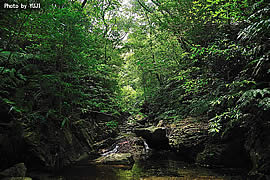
[(155, 168)]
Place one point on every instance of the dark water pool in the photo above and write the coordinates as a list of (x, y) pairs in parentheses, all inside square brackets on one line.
[(155, 168)]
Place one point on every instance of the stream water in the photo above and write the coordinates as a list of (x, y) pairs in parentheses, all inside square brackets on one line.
[(160, 166)]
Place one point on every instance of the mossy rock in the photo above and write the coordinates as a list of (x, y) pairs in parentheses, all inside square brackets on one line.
[(116, 159), (18, 170), (17, 178)]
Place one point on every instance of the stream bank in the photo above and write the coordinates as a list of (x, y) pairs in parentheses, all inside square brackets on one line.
[(45, 145), (161, 165), (191, 142), (183, 147)]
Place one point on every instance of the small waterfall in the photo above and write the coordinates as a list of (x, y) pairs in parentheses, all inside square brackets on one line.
[(110, 152), (146, 146)]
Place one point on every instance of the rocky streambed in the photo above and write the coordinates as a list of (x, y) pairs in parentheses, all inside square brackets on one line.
[(179, 150), (131, 158), (189, 140)]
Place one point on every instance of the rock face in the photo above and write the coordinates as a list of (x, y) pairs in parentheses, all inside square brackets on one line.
[(257, 145), (18, 170), (45, 145), (247, 145), (116, 159), (220, 155), (192, 141), (188, 137), (50, 147), (155, 136)]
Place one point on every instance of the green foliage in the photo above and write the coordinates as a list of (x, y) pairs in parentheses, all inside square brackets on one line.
[(253, 98), (215, 125), (60, 62), (112, 124), (258, 22), (130, 100), (181, 58), (188, 61), (251, 101)]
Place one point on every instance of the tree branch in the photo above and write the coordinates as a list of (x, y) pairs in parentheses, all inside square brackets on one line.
[(84, 2)]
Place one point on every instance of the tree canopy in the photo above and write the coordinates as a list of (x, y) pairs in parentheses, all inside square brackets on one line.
[(177, 58)]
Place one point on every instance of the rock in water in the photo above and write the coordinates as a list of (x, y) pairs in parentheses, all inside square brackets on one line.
[(18, 170), (116, 159), (155, 137), (17, 178), (188, 137)]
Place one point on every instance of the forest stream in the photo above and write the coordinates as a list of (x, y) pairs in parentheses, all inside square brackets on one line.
[(145, 163), (160, 166), (134, 89)]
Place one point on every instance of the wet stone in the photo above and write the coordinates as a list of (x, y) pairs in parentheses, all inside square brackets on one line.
[(116, 159)]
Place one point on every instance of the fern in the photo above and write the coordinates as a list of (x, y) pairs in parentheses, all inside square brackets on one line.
[(249, 101), (252, 96), (264, 104), (259, 23), (214, 125)]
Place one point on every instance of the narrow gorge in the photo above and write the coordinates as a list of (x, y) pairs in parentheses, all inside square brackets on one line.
[(134, 89)]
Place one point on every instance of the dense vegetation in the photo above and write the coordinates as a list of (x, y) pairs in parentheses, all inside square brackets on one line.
[(201, 58), (160, 59), (186, 58), (61, 61)]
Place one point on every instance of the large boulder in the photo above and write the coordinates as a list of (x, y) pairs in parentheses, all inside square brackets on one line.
[(258, 146), (230, 154), (213, 155), (155, 137), (187, 137)]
